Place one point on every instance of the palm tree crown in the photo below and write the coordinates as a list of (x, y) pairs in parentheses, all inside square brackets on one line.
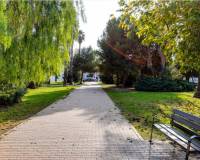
[(81, 38)]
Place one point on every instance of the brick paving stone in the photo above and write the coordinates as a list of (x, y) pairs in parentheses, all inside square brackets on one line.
[(84, 126)]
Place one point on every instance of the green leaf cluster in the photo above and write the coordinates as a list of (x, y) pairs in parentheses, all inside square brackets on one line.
[(85, 62), (115, 67), (35, 37), (173, 25)]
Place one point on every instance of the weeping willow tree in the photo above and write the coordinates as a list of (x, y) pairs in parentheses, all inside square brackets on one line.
[(4, 37), (36, 39)]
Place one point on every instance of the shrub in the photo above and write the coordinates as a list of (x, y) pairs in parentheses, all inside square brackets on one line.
[(12, 96), (108, 79), (19, 94), (4, 99), (165, 85), (4, 85), (130, 81)]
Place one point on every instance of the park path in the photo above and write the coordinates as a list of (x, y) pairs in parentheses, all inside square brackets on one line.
[(85, 126)]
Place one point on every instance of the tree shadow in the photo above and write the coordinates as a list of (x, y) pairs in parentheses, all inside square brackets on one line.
[(138, 149), (93, 106), (114, 145), (30, 105)]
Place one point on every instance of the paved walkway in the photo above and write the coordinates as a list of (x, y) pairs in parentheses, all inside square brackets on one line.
[(85, 125)]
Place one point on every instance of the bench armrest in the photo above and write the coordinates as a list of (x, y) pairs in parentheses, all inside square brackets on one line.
[(193, 137), (189, 144)]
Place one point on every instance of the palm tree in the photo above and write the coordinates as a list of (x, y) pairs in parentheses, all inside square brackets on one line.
[(81, 38)]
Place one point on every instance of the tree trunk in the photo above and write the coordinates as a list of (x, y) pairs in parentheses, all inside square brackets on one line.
[(34, 85), (81, 81), (71, 65), (139, 76), (187, 77), (79, 48), (117, 80), (65, 76), (197, 93), (56, 78), (124, 80)]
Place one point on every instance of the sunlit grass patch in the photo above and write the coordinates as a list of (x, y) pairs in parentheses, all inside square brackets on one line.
[(33, 101), (139, 107)]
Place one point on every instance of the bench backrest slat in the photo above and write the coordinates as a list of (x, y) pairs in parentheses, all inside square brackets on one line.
[(186, 119), (187, 116)]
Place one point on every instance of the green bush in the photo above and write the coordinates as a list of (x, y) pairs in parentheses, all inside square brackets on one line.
[(4, 99), (19, 94), (12, 96), (130, 81), (107, 79), (165, 85), (5, 86)]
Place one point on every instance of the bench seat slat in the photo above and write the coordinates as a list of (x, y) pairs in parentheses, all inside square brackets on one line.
[(178, 137), (183, 136)]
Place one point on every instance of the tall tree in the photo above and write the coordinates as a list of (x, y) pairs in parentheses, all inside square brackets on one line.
[(173, 25), (41, 35), (4, 33), (128, 48), (68, 69), (85, 62), (5, 38), (112, 63)]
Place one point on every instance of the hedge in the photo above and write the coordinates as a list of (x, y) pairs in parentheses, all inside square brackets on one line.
[(107, 79), (165, 85)]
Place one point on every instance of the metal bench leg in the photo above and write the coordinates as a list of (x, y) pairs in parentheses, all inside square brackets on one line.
[(188, 151), (174, 145), (151, 136)]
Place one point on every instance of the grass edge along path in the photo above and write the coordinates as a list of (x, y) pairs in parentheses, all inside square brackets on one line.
[(33, 101), (138, 107)]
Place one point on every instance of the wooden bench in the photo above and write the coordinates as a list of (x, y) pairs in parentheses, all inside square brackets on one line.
[(184, 130)]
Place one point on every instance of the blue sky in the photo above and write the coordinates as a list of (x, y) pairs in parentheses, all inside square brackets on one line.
[(98, 13)]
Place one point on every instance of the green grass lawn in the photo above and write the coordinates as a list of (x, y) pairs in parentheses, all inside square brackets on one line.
[(138, 107), (33, 101)]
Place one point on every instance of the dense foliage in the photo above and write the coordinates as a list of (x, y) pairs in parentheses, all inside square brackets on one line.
[(4, 36), (113, 66), (165, 85), (35, 37), (173, 25), (11, 97), (107, 78), (84, 62), (81, 38)]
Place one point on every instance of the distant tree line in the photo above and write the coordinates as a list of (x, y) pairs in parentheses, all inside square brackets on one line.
[(85, 60)]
